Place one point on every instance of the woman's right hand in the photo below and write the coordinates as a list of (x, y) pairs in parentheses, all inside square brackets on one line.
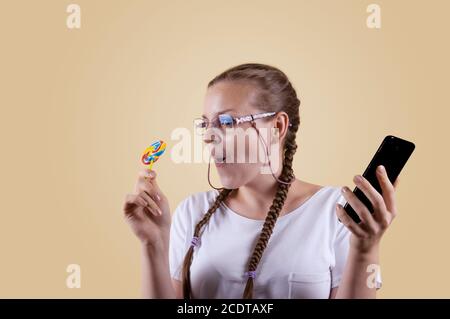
[(147, 211)]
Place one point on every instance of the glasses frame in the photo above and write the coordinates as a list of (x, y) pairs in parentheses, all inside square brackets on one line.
[(238, 120)]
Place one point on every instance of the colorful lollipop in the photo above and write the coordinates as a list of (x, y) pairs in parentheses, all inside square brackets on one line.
[(153, 152)]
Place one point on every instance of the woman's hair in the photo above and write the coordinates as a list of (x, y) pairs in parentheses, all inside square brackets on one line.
[(275, 94)]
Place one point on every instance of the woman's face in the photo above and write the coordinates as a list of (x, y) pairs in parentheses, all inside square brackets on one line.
[(235, 151)]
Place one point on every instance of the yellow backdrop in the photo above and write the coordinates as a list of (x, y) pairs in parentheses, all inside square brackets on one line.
[(78, 106)]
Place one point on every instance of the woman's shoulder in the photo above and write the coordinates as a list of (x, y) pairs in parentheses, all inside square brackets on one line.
[(328, 194), (200, 198), (321, 204), (195, 205), (331, 196), (334, 194)]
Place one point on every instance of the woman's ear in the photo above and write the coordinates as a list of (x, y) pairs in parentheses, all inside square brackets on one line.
[(281, 126)]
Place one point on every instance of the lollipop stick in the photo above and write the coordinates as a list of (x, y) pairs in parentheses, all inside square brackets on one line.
[(150, 165)]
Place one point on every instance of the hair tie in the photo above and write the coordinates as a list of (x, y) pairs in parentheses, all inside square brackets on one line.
[(250, 274), (195, 241)]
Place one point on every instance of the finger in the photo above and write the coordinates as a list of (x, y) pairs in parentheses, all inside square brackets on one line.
[(156, 191), (149, 188), (148, 177), (151, 204), (388, 191), (360, 209), (147, 174), (144, 185), (373, 195), (135, 199), (132, 200), (396, 182), (349, 222)]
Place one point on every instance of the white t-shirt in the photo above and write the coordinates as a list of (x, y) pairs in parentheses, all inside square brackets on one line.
[(304, 258)]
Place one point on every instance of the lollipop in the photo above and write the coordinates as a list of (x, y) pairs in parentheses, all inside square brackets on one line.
[(153, 152)]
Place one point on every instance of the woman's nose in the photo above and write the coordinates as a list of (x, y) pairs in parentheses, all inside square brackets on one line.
[(211, 137)]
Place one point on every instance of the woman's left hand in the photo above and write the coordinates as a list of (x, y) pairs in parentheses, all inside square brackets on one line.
[(367, 234)]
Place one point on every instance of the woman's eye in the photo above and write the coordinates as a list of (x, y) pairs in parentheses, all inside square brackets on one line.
[(200, 123), (226, 121)]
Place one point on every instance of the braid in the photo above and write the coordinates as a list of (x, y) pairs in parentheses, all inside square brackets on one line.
[(186, 274), (272, 215)]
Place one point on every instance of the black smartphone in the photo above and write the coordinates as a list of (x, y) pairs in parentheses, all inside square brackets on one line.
[(393, 154)]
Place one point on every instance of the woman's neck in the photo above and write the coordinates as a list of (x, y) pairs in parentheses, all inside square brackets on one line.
[(254, 199)]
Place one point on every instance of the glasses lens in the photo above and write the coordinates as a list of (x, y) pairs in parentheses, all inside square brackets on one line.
[(226, 121), (200, 126)]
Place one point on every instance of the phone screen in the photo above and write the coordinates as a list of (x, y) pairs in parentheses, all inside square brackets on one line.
[(393, 154)]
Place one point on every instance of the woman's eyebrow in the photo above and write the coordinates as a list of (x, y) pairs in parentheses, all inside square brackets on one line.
[(221, 112)]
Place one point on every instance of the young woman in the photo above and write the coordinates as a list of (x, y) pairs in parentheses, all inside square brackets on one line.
[(260, 235)]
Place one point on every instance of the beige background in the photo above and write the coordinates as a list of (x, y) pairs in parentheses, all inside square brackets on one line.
[(79, 106)]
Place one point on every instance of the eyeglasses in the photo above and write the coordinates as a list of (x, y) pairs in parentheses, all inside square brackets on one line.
[(224, 121)]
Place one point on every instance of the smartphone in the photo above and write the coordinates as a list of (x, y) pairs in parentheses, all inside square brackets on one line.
[(393, 154)]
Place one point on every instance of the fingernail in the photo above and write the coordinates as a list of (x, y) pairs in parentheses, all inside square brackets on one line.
[(344, 189), (159, 211), (157, 196), (338, 206), (381, 168), (358, 178)]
